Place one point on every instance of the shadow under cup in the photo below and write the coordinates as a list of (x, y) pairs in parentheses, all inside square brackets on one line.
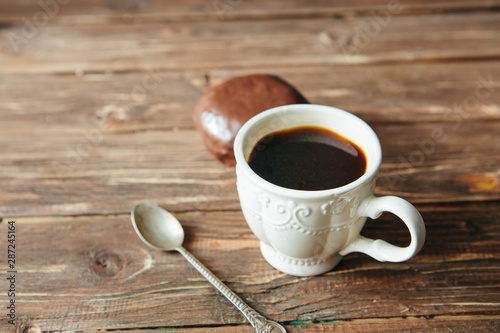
[(303, 232)]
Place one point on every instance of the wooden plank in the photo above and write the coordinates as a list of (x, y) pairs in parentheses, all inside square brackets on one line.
[(441, 162), (111, 11), (458, 324), (172, 168), (411, 92), (416, 92), (244, 44), (110, 280), (94, 147)]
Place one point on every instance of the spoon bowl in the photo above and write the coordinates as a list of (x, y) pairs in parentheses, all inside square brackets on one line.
[(160, 230), (157, 228)]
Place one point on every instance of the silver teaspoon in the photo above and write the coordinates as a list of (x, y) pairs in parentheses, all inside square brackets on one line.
[(162, 231)]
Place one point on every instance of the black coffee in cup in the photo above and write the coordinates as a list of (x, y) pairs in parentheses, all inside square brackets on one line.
[(307, 158)]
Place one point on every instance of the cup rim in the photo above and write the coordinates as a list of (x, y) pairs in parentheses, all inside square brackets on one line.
[(242, 163)]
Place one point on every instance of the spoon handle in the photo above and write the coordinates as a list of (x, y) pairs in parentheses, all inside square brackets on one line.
[(261, 324)]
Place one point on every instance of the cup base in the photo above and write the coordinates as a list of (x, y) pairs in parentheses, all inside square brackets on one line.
[(298, 267)]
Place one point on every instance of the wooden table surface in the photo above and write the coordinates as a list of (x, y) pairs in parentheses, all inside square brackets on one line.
[(96, 101)]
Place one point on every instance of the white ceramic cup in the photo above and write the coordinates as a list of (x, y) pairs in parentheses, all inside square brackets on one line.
[(306, 233)]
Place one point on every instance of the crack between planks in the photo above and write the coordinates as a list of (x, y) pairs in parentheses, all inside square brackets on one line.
[(460, 317), (471, 316), (194, 326), (232, 14)]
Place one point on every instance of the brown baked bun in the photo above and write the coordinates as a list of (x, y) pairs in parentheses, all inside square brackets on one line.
[(223, 109)]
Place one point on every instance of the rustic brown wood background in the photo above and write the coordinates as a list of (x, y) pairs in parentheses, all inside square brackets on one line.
[(96, 100)]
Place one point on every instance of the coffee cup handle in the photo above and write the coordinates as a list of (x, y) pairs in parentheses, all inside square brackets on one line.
[(380, 249)]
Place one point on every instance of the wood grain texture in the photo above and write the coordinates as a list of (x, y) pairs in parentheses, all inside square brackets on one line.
[(245, 44), (95, 116), (94, 146), (119, 172), (136, 11), (459, 324), (132, 286)]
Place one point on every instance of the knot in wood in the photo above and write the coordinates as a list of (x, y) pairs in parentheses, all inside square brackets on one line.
[(107, 264)]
